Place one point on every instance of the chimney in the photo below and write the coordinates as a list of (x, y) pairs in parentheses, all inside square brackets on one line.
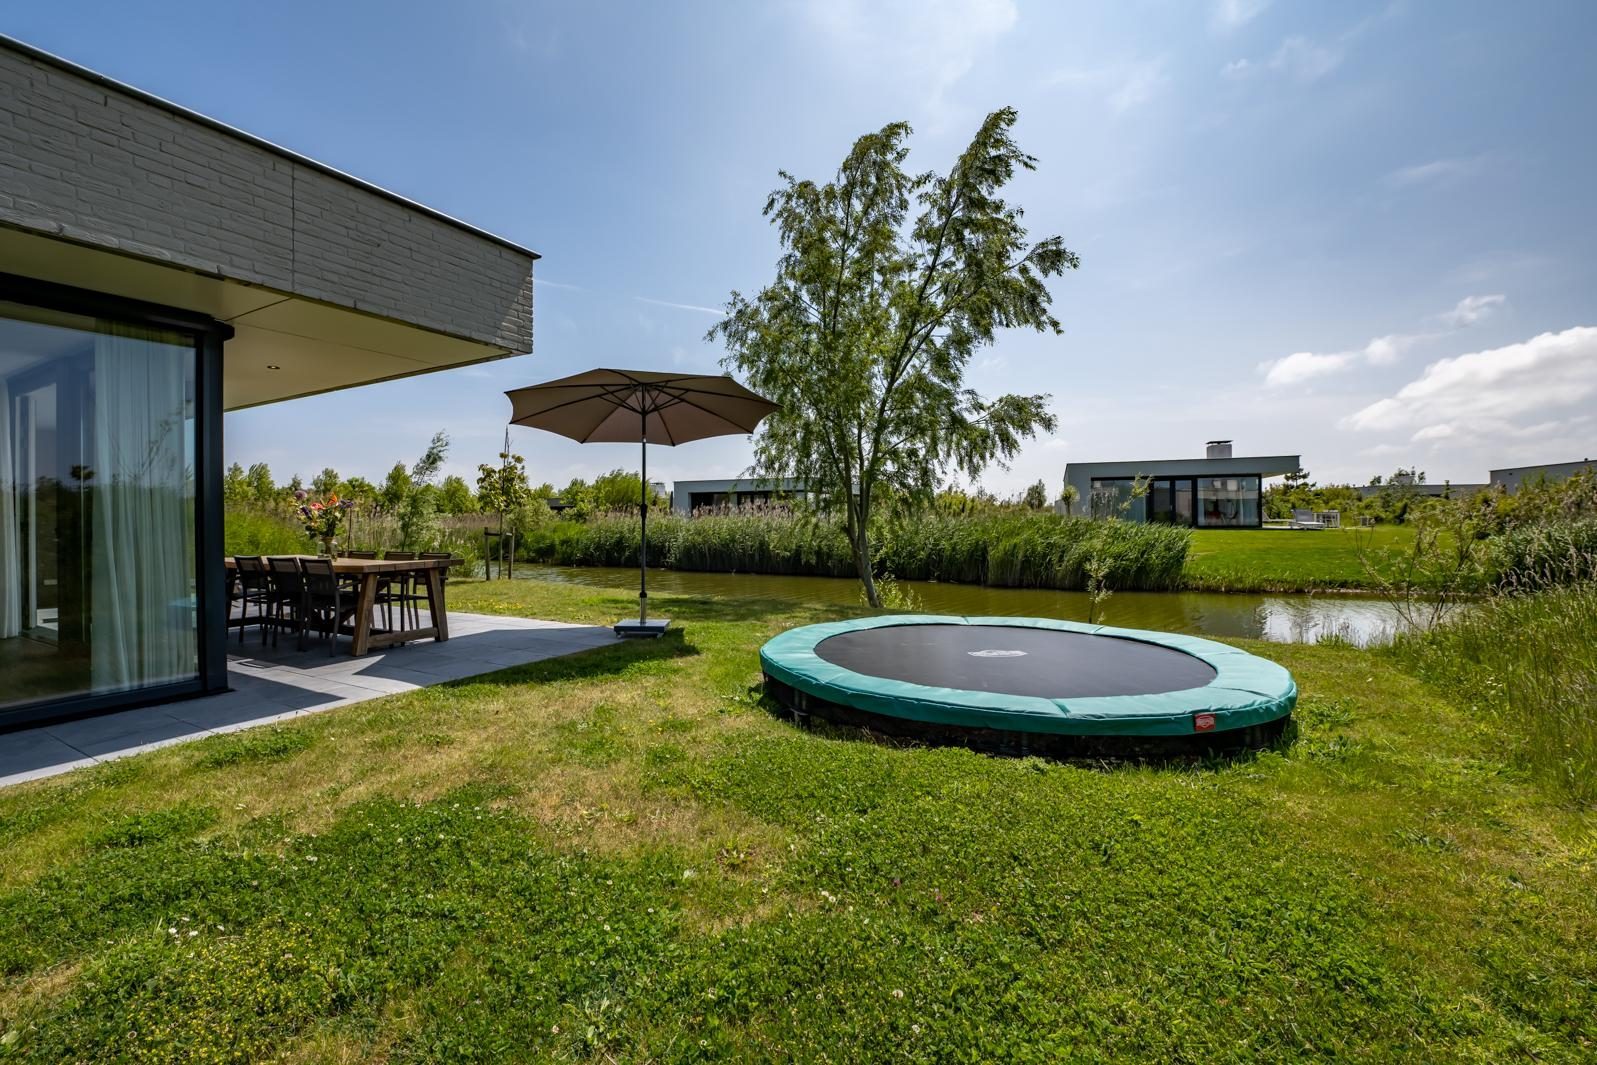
[(1219, 449)]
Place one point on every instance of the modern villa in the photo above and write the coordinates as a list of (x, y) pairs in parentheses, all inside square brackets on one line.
[(688, 496), (158, 268), (1219, 490), (1510, 478)]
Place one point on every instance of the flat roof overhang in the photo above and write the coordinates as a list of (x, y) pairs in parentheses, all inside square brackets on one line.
[(1241, 465), (327, 281), (317, 347)]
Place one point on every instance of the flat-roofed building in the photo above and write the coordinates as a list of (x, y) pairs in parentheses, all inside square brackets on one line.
[(158, 268), (1220, 490)]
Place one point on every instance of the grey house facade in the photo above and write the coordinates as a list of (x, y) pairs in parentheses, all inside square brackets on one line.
[(1219, 490), (1512, 477), (688, 496), (158, 268)]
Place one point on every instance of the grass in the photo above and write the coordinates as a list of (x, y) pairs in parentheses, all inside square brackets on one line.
[(1265, 560), (1495, 658), (624, 856)]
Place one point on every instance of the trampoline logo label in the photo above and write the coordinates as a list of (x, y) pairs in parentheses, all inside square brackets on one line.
[(996, 652)]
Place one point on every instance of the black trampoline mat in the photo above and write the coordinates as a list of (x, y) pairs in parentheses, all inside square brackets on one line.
[(1014, 660)]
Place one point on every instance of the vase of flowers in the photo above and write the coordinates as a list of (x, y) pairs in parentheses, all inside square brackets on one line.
[(322, 518)]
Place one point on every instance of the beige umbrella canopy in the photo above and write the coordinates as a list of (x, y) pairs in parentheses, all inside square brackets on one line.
[(620, 406)]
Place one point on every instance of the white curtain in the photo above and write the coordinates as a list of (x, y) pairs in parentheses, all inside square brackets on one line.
[(10, 548), (142, 523)]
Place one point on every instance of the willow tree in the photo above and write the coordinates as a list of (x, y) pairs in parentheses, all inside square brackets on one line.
[(865, 336)]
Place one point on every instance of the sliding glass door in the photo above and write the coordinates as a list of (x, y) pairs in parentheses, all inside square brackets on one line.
[(97, 506), (1170, 500)]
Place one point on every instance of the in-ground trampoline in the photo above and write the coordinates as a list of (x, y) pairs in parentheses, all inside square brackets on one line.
[(1030, 685)]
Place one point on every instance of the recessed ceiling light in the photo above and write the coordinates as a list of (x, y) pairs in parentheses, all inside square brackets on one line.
[(269, 366)]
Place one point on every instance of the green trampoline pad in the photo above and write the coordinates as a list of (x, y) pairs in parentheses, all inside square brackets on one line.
[(1029, 675)]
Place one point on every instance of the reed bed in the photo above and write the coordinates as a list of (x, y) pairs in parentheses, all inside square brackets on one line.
[(1006, 550), (1529, 661)]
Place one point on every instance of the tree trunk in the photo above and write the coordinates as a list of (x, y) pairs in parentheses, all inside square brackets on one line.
[(862, 562), (859, 539)]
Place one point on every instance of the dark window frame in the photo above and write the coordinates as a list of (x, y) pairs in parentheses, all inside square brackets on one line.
[(210, 577), (1258, 496)]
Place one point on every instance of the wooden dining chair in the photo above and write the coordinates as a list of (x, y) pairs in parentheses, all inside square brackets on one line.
[(285, 593), (404, 589), (437, 556), (250, 590), (322, 602), (385, 597)]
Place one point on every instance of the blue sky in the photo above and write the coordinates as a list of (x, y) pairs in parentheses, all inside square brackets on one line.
[(1359, 232)]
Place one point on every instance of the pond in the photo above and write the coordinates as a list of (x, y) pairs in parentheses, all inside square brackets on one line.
[(1361, 620)]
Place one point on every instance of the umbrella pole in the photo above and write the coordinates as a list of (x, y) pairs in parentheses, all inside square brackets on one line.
[(643, 542)]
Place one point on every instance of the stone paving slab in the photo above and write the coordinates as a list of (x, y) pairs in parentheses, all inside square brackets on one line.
[(270, 685)]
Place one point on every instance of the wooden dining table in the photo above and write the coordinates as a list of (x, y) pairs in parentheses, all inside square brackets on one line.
[(367, 573)]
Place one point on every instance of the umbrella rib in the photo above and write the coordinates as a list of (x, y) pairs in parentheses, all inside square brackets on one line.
[(609, 393), (717, 414)]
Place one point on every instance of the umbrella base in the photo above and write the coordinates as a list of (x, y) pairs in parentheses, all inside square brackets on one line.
[(634, 627)]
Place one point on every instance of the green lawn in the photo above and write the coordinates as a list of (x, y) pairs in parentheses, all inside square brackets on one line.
[(624, 856), (1269, 560)]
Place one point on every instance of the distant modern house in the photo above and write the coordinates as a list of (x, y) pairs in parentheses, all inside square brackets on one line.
[(1219, 490), (688, 496), (1514, 476), (1509, 479), (158, 268), (1411, 487)]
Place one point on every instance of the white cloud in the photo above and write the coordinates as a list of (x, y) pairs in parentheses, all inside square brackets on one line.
[(1383, 351), (1142, 82), (718, 312), (1435, 172), (934, 43), (1303, 366), (1122, 86), (1472, 309), (1302, 59), (1493, 388), (1229, 14), (1297, 58)]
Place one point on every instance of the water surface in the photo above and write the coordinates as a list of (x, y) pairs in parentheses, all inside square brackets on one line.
[(1294, 618)]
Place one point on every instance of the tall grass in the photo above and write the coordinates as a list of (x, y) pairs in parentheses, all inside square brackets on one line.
[(1560, 551), (1034, 551), (256, 529), (1008, 550), (1530, 662)]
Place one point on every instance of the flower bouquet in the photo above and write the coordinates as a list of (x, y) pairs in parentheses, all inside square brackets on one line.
[(322, 518)]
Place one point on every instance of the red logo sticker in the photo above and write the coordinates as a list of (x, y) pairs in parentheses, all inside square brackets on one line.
[(1202, 722)]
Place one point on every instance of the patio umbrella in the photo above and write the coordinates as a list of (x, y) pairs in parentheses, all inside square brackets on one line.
[(620, 406)]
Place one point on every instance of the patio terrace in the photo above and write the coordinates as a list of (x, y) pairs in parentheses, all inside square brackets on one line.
[(274, 684)]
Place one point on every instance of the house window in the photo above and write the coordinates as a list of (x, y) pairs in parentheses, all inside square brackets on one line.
[(97, 506), (1228, 502), (1111, 498)]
